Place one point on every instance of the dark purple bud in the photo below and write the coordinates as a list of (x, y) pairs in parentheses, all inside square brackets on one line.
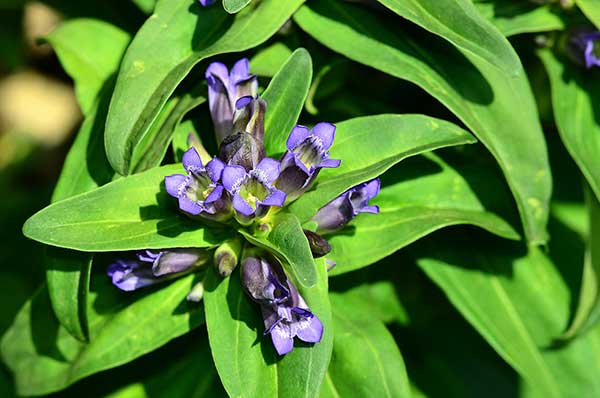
[(249, 116), (337, 213), (155, 266), (584, 48), (285, 313), (318, 245), (199, 192), (253, 192), (308, 152), (225, 88), (242, 149)]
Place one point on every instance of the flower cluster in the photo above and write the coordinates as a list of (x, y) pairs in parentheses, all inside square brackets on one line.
[(240, 187)]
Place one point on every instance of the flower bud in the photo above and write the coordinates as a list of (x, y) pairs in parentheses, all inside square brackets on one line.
[(242, 149), (197, 292), (249, 116), (318, 245), (226, 256)]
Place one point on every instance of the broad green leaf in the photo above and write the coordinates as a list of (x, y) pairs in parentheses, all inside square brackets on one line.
[(370, 145), (153, 146), (44, 357), (459, 22), (591, 9), (516, 17), (366, 361), (145, 5), (269, 60), (285, 97), (245, 359), (497, 106), (235, 6), (85, 168), (89, 61), (287, 241), (182, 33), (520, 305), (409, 210), (132, 213)]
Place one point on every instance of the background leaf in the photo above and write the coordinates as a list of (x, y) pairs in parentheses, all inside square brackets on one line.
[(268, 61), (132, 213), (183, 33), (235, 6), (591, 9), (484, 97), (386, 140), (285, 97), (44, 357)]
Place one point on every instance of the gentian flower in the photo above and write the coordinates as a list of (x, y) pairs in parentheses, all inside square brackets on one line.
[(206, 3), (224, 90), (337, 213), (308, 152), (584, 47), (253, 192), (199, 191), (285, 313), (154, 266)]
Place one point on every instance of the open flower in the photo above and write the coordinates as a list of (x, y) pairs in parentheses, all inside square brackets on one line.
[(154, 266), (285, 313), (584, 47), (198, 191), (337, 213), (252, 192), (225, 88), (308, 152)]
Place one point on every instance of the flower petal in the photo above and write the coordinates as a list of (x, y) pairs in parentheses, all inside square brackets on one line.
[(241, 206), (191, 159), (275, 198), (232, 175), (215, 194), (297, 135), (372, 188), (269, 170), (330, 163), (326, 132), (240, 71), (309, 329), (282, 339), (173, 183), (217, 70), (369, 209), (185, 204), (215, 168)]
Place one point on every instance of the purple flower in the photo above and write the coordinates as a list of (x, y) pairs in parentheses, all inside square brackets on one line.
[(206, 3), (584, 47), (308, 152), (198, 191), (253, 192), (337, 213), (285, 313), (154, 266), (224, 90)]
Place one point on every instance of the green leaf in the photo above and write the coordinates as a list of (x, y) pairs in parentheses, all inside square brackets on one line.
[(409, 210), (183, 33), (269, 60), (517, 17), (519, 304), (235, 6), (45, 358), (153, 146), (591, 9), (285, 97), (459, 22), (390, 138), (132, 213), (89, 61), (145, 5), (366, 361), (246, 360), (288, 242), (484, 97)]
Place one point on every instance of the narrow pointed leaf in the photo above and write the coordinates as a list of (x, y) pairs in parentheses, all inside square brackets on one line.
[(591, 9), (183, 33), (235, 6), (387, 139)]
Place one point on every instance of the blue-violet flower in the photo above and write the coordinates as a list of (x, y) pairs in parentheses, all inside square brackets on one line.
[(199, 191), (585, 46), (285, 313), (337, 213)]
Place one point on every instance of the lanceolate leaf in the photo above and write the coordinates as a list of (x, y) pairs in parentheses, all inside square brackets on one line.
[(245, 358), (497, 106), (287, 241), (44, 357), (591, 9), (269, 60), (89, 61), (132, 213), (285, 99), (235, 6), (176, 37), (409, 210), (516, 17), (383, 141), (366, 361)]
